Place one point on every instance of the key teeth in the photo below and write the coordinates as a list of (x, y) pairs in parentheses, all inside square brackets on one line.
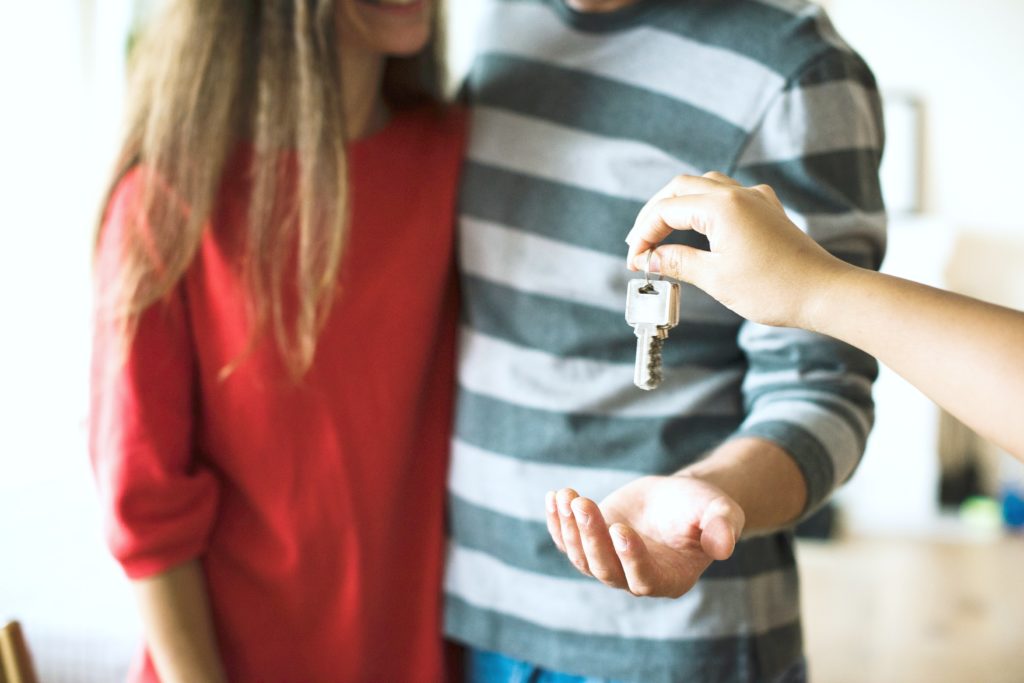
[(648, 369), (654, 372)]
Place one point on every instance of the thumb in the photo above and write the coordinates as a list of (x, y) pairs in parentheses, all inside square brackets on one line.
[(721, 527), (678, 261)]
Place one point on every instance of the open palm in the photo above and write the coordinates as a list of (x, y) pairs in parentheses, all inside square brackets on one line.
[(654, 536)]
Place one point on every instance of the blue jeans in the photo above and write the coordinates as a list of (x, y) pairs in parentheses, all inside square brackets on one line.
[(491, 667)]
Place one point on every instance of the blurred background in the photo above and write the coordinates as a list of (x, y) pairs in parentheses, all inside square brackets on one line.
[(916, 573)]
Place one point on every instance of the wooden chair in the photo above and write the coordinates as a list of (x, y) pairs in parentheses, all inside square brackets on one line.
[(15, 661)]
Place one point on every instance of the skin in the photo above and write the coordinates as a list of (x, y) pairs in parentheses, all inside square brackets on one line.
[(965, 354), (174, 604), (176, 617)]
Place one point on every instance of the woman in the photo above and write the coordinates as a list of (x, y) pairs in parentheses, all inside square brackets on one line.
[(271, 392)]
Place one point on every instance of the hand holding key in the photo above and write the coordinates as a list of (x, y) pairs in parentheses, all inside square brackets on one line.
[(760, 265), (653, 537)]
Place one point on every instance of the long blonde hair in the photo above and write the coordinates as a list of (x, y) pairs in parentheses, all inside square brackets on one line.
[(208, 75)]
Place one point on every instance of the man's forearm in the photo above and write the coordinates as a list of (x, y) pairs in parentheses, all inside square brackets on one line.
[(179, 628), (758, 475)]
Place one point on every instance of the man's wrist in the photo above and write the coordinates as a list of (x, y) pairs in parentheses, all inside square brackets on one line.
[(761, 477)]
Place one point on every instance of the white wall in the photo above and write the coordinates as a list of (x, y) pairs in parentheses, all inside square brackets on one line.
[(56, 117), (463, 16), (965, 60)]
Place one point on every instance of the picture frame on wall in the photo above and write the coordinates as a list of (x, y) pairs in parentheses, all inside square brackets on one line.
[(902, 163)]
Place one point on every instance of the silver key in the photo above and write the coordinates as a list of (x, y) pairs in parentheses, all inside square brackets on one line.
[(652, 308)]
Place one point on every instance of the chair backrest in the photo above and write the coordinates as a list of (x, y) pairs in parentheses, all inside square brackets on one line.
[(15, 660)]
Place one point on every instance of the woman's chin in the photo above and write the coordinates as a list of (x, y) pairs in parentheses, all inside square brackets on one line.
[(391, 28), (401, 46)]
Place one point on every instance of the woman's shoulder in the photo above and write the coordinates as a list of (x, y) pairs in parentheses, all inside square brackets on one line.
[(135, 194)]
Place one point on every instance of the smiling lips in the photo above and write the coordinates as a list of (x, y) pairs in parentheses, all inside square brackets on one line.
[(391, 3), (396, 7)]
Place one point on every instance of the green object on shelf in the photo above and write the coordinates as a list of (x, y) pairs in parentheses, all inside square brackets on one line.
[(981, 512)]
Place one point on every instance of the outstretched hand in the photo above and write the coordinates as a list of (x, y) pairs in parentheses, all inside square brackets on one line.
[(653, 537)]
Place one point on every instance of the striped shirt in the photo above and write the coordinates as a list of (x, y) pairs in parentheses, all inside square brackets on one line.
[(578, 119)]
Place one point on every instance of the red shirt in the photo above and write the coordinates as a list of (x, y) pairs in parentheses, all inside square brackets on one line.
[(316, 508)]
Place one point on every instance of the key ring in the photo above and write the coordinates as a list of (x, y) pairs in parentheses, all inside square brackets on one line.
[(648, 288), (647, 268)]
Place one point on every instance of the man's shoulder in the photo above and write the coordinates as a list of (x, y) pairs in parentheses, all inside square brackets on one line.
[(782, 35)]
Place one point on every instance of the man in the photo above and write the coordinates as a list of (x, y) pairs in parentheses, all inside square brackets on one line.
[(582, 109)]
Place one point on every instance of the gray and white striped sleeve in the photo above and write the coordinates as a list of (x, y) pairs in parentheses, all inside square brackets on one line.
[(819, 146)]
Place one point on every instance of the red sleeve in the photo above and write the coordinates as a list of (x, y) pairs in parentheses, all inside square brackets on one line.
[(158, 501)]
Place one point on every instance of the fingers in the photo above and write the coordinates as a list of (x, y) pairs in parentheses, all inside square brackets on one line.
[(690, 212), (554, 525), (573, 547), (768, 193), (721, 527), (584, 537), (684, 184), (677, 261), (722, 178), (636, 561), (602, 561), (616, 556), (679, 186)]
